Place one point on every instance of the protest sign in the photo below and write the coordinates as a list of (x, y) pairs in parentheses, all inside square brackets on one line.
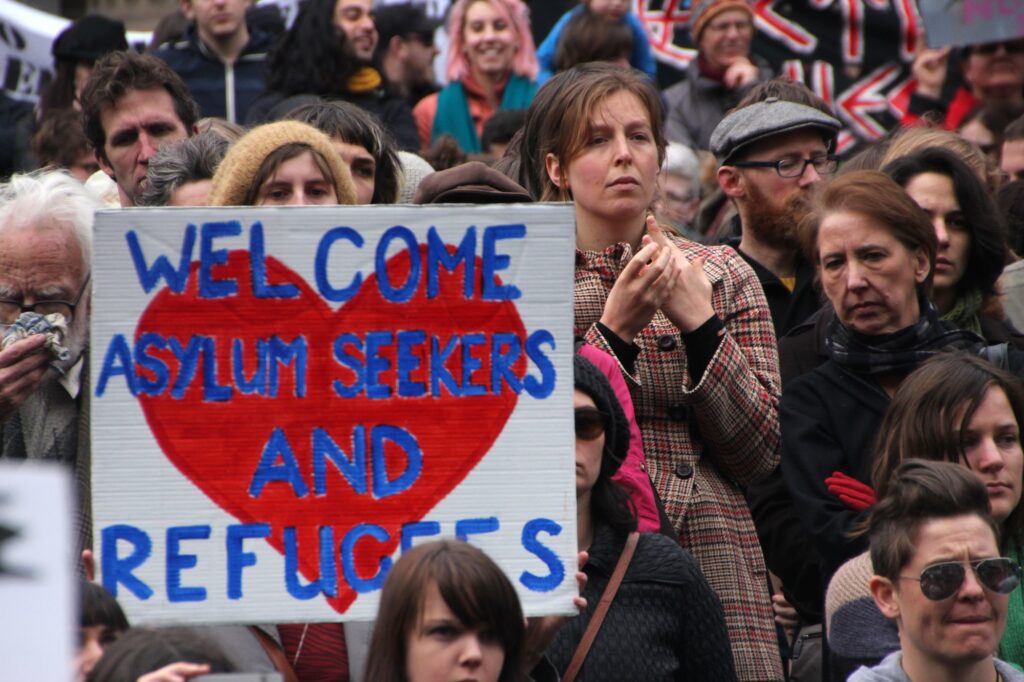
[(39, 617), (283, 399), (971, 22)]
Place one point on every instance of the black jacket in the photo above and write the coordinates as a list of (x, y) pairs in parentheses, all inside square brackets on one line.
[(788, 308), (219, 87), (830, 418), (664, 624)]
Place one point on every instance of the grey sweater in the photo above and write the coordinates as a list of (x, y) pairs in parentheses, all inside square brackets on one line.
[(890, 670)]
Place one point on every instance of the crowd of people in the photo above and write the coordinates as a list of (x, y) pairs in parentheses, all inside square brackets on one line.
[(797, 378)]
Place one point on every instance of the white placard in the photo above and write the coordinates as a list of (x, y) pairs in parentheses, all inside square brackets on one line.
[(284, 398), (38, 616)]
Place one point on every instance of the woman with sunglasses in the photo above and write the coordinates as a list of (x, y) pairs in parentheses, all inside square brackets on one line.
[(993, 76), (665, 622), (957, 408), (939, 575)]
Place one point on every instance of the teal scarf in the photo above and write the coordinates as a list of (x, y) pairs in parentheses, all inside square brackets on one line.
[(452, 117)]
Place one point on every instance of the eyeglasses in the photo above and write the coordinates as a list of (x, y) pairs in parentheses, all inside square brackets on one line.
[(794, 167), (1011, 47), (942, 581), (740, 26), (589, 422), (12, 310)]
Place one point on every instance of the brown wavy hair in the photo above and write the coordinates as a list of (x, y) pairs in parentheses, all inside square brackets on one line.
[(922, 420)]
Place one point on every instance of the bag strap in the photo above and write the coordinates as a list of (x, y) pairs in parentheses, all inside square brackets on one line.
[(275, 654), (602, 608)]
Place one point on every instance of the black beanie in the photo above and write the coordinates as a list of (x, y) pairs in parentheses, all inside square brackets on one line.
[(594, 383), (89, 38)]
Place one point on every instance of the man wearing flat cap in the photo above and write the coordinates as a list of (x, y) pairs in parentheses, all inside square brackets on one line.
[(721, 74), (773, 155)]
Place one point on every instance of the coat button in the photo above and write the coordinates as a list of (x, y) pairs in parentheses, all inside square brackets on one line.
[(667, 342), (684, 470), (678, 413)]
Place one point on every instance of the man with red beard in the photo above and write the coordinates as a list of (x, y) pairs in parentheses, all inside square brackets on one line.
[(773, 154)]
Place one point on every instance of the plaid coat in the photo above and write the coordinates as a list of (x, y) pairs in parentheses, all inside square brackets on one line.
[(704, 442)]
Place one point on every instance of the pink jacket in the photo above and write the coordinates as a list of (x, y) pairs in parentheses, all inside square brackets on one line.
[(632, 475)]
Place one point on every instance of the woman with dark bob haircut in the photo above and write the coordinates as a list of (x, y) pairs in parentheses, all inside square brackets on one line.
[(365, 146), (446, 605), (960, 408), (971, 238), (875, 252)]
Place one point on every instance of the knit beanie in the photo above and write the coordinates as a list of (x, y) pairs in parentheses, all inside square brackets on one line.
[(590, 380), (414, 170), (705, 10), (89, 38), (238, 170)]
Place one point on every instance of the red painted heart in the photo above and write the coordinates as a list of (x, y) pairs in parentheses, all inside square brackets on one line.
[(218, 445)]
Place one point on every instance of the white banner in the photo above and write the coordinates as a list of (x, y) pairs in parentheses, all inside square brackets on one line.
[(26, 36)]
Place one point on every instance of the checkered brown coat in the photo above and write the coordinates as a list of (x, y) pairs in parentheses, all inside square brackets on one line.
[(703, 442)]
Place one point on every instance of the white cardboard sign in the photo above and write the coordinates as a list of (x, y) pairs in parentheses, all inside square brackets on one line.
[(38, 614), (283, 399)]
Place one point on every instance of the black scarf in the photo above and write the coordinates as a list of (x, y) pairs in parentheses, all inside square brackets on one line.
[(901, 351)]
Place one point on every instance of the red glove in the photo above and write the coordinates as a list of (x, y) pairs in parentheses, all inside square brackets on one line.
[(854, 494)]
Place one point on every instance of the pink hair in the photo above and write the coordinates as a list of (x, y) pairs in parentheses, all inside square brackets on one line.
[(518, 16)]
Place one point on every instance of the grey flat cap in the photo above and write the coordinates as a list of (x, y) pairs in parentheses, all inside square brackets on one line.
[(764, 119)]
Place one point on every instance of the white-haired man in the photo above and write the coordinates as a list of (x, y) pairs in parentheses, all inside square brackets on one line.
[(45, 249)]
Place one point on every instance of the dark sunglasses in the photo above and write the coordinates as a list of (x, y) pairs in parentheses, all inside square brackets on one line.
[(1011, 47), (589, 422), (942, 581)]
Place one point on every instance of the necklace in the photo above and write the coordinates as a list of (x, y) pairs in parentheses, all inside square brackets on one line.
[(302, 639)]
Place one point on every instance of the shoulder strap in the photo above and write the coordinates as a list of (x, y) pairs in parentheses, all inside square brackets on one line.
[(602, 608), (275, 654)]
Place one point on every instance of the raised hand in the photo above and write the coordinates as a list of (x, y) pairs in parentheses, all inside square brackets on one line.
[(741, 72), (22, 366), (641, 289), (929, 69), (689, 304)]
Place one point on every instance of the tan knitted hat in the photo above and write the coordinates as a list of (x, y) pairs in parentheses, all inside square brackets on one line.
[(238, 170), (706, 10)]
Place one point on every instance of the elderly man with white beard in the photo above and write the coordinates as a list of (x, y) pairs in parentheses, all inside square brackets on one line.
[(45, 249)]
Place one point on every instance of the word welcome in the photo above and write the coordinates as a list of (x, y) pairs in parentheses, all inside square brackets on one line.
[(329, 282)]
